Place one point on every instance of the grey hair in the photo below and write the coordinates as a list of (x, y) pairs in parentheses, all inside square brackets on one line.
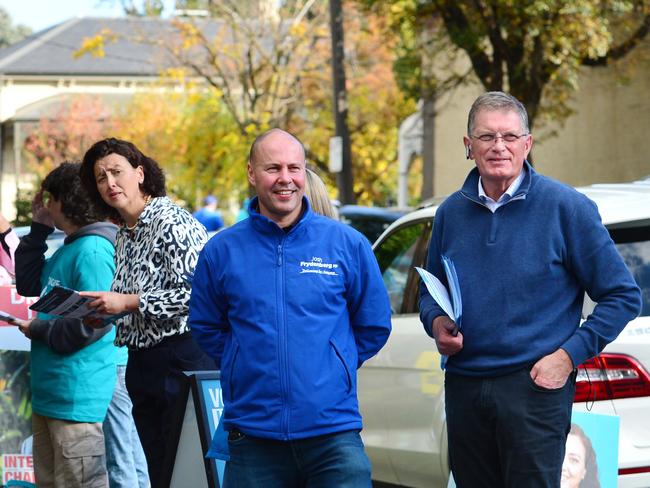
[(497, 100)]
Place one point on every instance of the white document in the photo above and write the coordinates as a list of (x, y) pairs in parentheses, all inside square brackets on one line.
[(437, 290)]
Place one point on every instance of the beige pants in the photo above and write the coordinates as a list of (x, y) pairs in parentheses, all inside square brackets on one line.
[(68, 454)]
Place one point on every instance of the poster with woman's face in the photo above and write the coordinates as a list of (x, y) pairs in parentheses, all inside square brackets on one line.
[(591, 456)]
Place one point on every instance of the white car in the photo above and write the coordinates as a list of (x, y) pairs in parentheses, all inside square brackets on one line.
[(401, 390)]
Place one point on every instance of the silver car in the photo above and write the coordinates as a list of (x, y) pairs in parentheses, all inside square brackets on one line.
[(401, 390)]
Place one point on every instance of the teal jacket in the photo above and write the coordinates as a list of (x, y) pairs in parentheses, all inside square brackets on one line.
[(75, 385)]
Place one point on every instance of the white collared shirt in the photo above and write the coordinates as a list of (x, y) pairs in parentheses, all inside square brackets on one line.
[(503, 199)]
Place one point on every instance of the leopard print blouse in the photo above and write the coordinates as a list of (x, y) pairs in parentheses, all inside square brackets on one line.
[(156, 261)]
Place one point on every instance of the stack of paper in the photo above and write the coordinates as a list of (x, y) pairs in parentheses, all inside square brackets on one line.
[(453, 306), (64, 302)]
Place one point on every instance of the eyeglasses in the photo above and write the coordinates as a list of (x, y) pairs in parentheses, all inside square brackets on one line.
[(492, 138)]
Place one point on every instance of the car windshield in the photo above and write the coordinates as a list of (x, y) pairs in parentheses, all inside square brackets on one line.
[(634, 245)]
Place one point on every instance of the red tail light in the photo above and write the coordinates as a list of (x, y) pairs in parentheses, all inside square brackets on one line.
[(611, 376)]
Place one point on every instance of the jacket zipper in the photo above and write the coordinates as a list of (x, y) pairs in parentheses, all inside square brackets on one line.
[(282, 341), (492, 237)]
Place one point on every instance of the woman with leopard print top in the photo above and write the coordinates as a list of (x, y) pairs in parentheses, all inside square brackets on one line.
[(156, 251)]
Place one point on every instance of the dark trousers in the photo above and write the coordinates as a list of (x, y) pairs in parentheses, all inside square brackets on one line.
[(154, 379), (507, 431)]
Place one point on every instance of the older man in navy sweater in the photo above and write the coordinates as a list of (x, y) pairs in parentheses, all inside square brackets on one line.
[(526, 248)]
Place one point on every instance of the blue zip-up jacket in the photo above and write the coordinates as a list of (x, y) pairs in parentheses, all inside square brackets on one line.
[(289, 317), (523, 271)]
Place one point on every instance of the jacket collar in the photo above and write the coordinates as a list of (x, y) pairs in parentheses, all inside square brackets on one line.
[(470, 187), (101, 229), (268, 226)]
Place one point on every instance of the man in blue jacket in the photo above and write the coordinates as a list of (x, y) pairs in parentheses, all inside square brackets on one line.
[(526, 249), (208, 215), (289, 304)]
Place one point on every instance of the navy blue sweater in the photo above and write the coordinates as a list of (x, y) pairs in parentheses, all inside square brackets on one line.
[(523, 271)]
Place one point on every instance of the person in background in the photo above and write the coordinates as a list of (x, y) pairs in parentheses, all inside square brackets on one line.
[(526, 248), (208, 215), (8, 243), (125, 459), (73, 370), (243, 211), (158, 245), (316, 193), (289, 304)]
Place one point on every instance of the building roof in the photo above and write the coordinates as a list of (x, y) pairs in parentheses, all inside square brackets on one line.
[(141, 48), (51, 51)]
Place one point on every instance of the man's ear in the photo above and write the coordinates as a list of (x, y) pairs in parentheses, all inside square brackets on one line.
[(251, 174), (468, 147), (529, 143)]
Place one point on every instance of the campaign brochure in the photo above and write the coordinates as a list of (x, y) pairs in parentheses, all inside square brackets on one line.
[(64, 302), (450, 301), (7, 317)]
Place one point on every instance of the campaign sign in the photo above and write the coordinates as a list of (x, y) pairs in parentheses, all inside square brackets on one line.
[(15, 389), (14, 304), (17, 467), (591, 455), (211, 405), (198, 414)]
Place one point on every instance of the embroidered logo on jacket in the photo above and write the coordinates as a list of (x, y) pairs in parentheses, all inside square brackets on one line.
[(316, 265)]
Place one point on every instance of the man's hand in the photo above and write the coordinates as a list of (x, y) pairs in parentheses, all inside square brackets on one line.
[(552, 371), (23, 326), (448, 339)]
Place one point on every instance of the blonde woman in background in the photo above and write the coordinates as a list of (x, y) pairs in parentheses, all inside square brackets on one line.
[(316, 193)]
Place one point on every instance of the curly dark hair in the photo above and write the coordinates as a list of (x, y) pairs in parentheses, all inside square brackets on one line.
[(64, 184), (154, 178)]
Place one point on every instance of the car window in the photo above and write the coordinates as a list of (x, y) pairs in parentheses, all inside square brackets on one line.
[(370, 226), (396, 256), (54, 240), (634, 245)]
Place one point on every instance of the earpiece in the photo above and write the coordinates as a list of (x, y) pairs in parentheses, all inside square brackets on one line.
[(467, 150)]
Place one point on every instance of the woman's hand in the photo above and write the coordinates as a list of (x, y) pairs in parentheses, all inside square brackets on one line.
[(111, 303)]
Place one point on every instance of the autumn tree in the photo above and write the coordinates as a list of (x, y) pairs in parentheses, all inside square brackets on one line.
[(250, 75), (376, 107), (10, 32), (66, 132), (194, 138), (530, 48), (276, 73)]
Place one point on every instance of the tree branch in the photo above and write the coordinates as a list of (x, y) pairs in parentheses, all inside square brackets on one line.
[(620, 51)]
